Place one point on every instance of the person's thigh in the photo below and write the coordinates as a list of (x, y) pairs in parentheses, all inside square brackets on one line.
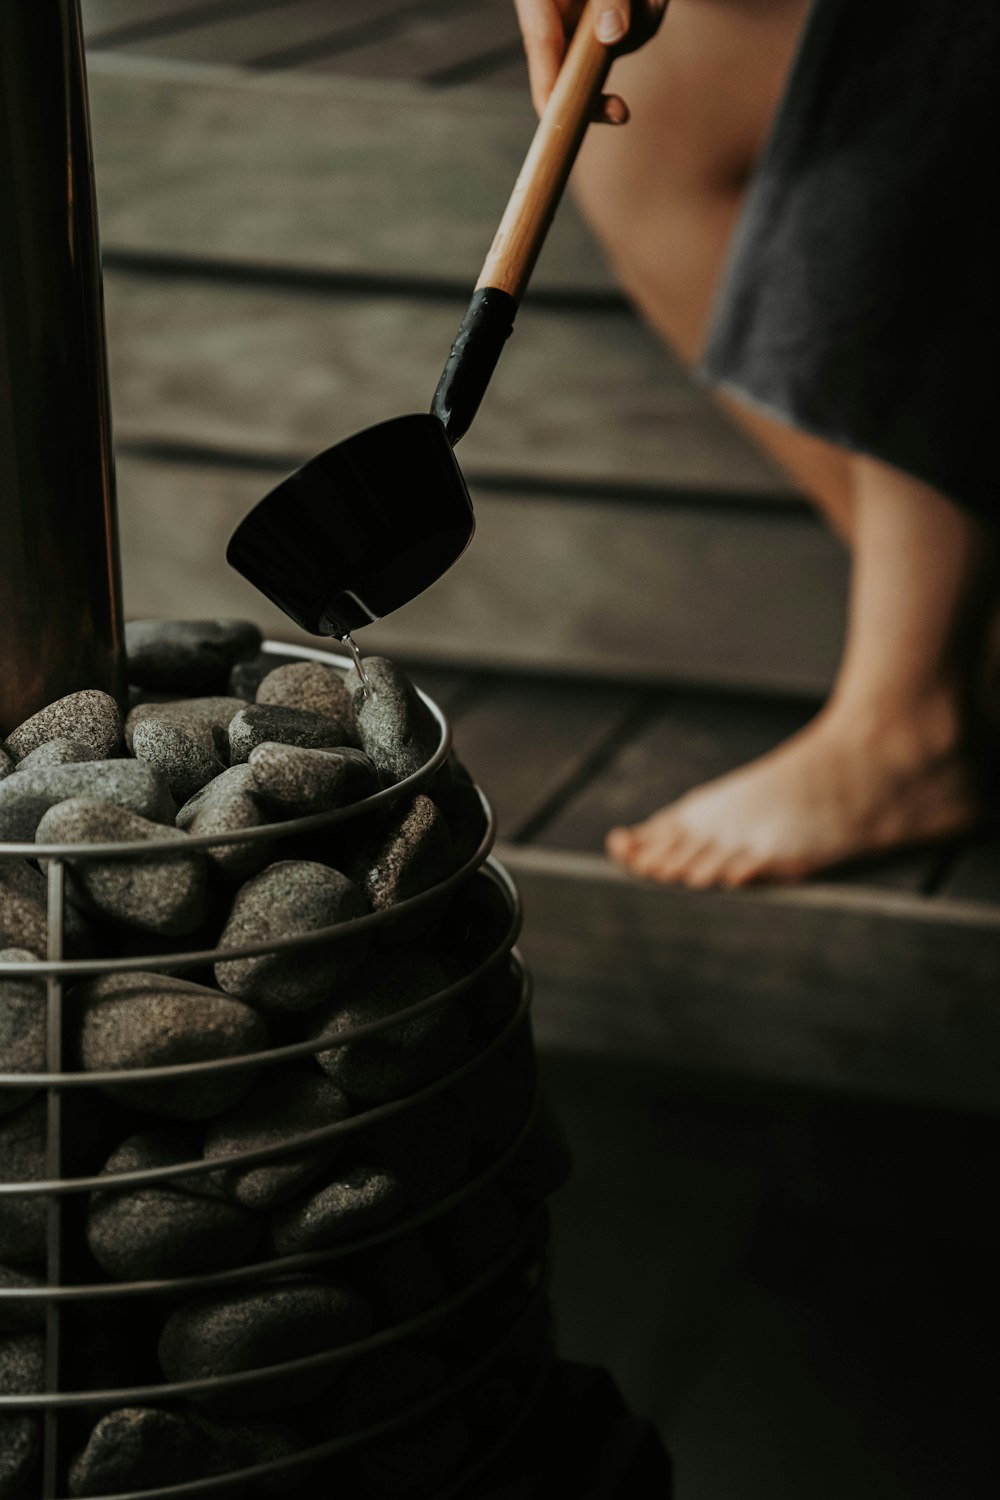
[(663, 191)]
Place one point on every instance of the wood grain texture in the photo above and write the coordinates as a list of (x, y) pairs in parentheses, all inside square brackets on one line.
[(863, 992), (332, 174), (423, 42), (241, 34), (628, 593), (525, 740), (268, 370)]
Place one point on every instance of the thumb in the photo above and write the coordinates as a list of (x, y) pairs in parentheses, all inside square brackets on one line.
[(611, 21)]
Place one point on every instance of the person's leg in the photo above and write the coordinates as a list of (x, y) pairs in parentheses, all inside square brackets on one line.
[(664, 192), (888, 761)]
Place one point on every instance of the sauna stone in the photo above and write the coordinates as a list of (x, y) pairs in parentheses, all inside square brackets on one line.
[(298, 781), (184, 764), (246, 677), (238, 1445), (171, 1227), (22, 1373), (22, 1027), (22, 1159), (359, 1201), (284, 1103), (268, 1324), (24, 1314), (59, 752), (140, 1448), (314, 686), (395, 728), (204, 720), (145, 1020), (26, 797), (157, 893), (6, 764), (401, 1058), (89, 716), (187, 656), (291, 897), (412, 854), (261, 722), (227, 805), (426, 1145)]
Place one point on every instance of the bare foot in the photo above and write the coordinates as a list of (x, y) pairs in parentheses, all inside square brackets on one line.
[(834, 791)]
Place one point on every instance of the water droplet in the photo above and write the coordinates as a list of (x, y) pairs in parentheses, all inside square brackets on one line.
[(359, 666)]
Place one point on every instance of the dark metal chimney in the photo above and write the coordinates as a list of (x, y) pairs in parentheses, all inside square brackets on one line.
[(60, 594)]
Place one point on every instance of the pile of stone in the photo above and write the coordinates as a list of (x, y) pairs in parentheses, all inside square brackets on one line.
[(287, 1196)]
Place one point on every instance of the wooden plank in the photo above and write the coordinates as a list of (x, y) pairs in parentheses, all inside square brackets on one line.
[(425, 42), (257, 30), (975, 874), (863, 992), (629, 593), (689, 740), (102, 19), (525, 739), (282, 372), (322, 174)]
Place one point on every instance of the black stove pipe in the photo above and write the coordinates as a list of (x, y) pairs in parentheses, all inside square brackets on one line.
[(60, 592)]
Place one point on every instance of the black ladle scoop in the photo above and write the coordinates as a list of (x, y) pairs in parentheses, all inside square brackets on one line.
[(370, 523)]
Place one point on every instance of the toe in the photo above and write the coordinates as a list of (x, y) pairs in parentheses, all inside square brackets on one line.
[(704, 868), (666, 861), (620, 843), (739, 869)]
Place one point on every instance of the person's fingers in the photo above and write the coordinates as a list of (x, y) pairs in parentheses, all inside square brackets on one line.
[(612, 19), (611, 109), (544, 37)]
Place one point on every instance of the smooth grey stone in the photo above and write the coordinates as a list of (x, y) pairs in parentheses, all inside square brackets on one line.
[(271, 1323), (401, 1278), (427, 1145), (361, 1199), (204, 720), (136, 1448), (22, 1364), (239, 1445), (262, 722), (311, 685), (159, 893), (291, 897), (185, 765), (26, 797), (6, 763), (247, 676), (412, 854), (22, 1027), (301, 781), (432, 1448), (227, 805), (400, 1058), (285, 1102), (60, 752), (22, 1159), (90, 716), (145, 1020), (383, 1382), (24, 910), (25, 1314), (395, 727), (187, 656), (175, 1227), (20, 1447)]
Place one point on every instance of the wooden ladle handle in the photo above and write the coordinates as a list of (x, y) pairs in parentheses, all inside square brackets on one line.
[(523, 228), (547, 166)]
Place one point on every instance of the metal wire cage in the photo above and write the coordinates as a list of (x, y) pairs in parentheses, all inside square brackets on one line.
[(491, 1320)]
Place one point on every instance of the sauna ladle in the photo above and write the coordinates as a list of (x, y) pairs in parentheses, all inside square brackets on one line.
[(368, 524)]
